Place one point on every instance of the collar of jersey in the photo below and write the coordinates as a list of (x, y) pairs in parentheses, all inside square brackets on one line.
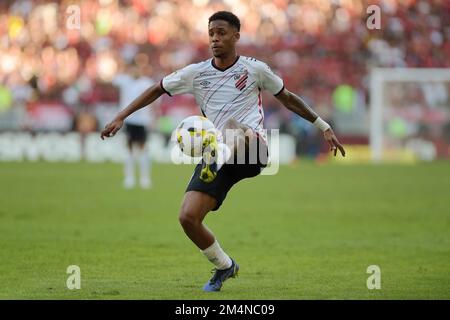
[(222, 70)]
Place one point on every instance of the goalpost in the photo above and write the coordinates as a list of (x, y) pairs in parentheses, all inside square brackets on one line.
[(409, 114)]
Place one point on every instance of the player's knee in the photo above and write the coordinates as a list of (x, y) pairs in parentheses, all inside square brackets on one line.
[(236, 133), (231, 124), (188, 218)]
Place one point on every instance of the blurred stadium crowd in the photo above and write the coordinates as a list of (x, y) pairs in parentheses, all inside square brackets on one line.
[(322, 49)]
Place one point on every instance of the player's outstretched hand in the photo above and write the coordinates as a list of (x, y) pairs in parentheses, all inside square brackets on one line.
[(333, 142), (111, 129)]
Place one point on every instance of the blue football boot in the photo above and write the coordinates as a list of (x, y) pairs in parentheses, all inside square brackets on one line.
[(216, 282)]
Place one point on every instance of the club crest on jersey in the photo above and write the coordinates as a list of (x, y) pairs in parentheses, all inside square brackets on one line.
[(241, 81)]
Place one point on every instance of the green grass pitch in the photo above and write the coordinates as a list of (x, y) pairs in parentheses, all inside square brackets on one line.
[(308, 232)]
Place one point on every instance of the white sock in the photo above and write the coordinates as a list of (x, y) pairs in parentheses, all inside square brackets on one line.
[(217, 256), (129, 169), (144, 166)]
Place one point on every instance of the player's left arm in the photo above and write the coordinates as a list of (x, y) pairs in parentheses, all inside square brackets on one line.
[(297, 105)]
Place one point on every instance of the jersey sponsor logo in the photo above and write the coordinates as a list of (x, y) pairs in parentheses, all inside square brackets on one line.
[(207, 73), (241, 81)]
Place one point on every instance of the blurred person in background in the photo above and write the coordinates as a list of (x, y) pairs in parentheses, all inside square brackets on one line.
[(131, 84)]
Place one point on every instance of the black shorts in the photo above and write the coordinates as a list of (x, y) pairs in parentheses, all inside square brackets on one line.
[(136, 133), (228, 175)]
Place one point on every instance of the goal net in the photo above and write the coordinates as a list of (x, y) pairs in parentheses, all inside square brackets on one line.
[(409, 114)]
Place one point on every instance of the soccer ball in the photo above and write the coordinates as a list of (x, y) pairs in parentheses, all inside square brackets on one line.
[(190, 133)]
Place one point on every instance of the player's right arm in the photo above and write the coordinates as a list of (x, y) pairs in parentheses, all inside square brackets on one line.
[(146, 98)]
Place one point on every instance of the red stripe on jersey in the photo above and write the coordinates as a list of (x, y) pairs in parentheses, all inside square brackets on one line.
[(242, 86), (260, 106), (241, 80), (259, 98)]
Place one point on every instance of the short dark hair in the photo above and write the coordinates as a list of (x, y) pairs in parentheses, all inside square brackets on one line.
[(228, 17)]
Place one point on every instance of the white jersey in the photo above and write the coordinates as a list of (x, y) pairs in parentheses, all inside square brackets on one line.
[(231, 93), (130, 89)]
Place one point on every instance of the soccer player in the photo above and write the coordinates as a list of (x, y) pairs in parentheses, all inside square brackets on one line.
[(136, 125), (227, 88)]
